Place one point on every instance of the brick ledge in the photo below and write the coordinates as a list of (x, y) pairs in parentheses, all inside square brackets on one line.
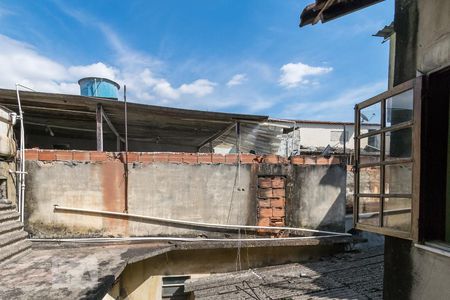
[(176, 157)]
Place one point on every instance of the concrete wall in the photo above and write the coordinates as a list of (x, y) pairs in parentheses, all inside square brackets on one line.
[(413, 273), (5, 166), (422, 37), (422, 44), (185, 186), (7, 154), (433, 35)]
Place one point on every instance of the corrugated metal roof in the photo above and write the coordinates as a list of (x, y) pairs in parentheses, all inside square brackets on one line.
[(75, 116), (260, 138)]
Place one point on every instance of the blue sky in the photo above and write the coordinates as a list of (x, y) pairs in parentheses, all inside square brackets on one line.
[(233, 56)]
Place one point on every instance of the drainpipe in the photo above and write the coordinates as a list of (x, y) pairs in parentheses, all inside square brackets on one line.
[(21, 189)]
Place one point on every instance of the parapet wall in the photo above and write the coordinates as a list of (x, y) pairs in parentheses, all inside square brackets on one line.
[(175, 157), (209, 188)]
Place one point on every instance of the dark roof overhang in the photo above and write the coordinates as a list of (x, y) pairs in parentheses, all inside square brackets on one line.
[(327, 10)]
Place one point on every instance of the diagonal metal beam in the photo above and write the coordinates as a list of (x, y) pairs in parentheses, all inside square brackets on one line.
[(217, 135), (111, 125)]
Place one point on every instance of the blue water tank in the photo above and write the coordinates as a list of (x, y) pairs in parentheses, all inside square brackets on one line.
[(99, 87)]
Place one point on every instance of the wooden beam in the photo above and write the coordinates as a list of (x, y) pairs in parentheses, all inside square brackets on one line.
[(99, 119), (319, 15)]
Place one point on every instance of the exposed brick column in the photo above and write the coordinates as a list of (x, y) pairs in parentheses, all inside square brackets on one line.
[(271, 202)]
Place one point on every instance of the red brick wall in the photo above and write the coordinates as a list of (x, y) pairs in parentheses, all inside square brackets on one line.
[(271, 202), (174, 157)]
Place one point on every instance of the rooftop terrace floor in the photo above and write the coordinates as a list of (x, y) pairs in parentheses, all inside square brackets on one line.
[(87, 271), (351, 275)]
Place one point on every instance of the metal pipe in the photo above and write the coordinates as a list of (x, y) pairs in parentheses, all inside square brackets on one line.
[(22, 158), (347, 161), (191, 223), (126, 146), (181, 239), (293, 137)]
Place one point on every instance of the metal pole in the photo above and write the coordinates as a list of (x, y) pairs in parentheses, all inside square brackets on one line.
[(99, 120), (345, 139), (21, 189), (22, 155), (126, 147), (293, 140)]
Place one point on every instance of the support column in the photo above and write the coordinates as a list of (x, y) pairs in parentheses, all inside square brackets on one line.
[(99, 118)]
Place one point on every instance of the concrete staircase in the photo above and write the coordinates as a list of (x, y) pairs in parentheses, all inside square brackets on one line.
[(13, 239)]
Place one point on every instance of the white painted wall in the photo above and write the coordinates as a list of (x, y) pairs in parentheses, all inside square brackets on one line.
[(313, 135)]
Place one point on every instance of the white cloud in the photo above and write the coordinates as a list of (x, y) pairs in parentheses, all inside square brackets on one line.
[(165, 89), (295, 74), (199, 88), (94, 70), (237, 79), (21, 63)]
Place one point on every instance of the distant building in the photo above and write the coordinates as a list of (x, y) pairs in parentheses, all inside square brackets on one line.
[(313, 137)]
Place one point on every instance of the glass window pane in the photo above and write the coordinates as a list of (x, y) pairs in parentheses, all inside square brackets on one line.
[(398, 179), (399, 108), (369, 149), (370, 117), (369, 180), (369, 211), (397, 213), (398, 144)]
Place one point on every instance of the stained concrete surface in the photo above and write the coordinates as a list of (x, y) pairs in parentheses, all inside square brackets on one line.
[(345, 276), (70, 272), (88, 271)]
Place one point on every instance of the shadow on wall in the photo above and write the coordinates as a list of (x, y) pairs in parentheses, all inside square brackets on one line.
[(335, 176)]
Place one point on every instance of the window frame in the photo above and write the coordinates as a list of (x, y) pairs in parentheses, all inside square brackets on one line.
[(415, 124), (177, 294)]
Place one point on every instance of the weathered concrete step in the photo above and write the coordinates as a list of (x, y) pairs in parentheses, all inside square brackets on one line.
[(8, 215), (10, 226), (13, 250), (12, 237), (7, 206), (16, 256)]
